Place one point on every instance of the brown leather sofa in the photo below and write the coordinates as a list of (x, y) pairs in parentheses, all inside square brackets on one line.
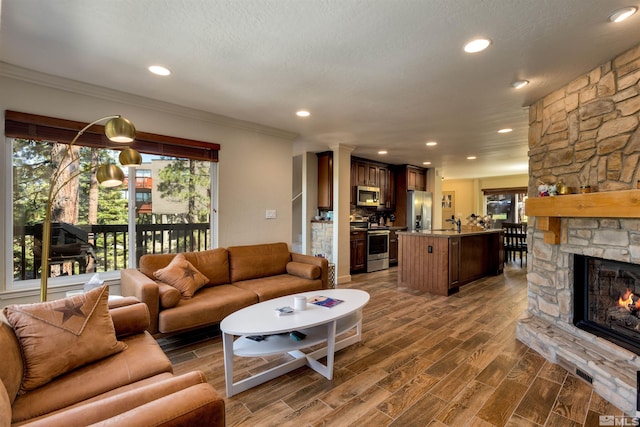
[(236, 277), (133, 387)]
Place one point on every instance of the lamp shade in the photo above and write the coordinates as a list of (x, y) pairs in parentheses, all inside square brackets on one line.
[(109, 175), (130, 157), (120, 129)]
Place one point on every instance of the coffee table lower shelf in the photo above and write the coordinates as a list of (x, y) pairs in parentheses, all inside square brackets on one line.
[(278, 344)]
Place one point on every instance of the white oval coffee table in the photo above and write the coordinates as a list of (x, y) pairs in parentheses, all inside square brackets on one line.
[(319, 324)]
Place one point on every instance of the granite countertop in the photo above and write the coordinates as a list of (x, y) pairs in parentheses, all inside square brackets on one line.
[(449, 233), (390, 228)]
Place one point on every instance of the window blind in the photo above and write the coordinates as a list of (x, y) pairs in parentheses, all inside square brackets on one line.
[(32, 126)]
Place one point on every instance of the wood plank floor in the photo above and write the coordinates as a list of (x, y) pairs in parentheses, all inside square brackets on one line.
[(424, 360)]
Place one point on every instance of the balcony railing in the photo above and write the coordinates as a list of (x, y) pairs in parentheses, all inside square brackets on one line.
[(106, 247)]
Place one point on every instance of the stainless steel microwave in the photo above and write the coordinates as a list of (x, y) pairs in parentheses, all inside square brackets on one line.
[(367, 196)]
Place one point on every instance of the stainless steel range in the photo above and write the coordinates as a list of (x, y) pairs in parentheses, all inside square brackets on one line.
[(377, 249), (377, 246)]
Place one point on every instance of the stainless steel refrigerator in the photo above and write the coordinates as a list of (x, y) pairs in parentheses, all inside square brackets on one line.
[(419, 207)]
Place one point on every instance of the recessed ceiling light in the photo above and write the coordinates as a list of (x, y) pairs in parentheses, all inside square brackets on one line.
[(477, 45), (426, 163), (622, 14), (505, 130), (303, 113), (431, 143), (159, 70), (471, 157), (519, 83), (382, 152)]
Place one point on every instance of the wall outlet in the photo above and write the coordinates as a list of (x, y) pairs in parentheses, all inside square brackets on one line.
[(270, 214)]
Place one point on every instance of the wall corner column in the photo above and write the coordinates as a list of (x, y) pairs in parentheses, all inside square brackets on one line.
[(341, 211)]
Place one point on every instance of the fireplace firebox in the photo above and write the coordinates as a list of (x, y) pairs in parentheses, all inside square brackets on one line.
[(607, 300)]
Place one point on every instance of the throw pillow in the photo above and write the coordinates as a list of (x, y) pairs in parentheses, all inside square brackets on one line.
[(306, 271), (182, 275), (59, 336), (169, 296)]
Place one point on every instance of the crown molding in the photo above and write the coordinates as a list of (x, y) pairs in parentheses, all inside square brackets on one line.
[(31, 76)]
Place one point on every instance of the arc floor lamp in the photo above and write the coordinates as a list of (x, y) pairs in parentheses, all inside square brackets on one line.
[(119, 130)]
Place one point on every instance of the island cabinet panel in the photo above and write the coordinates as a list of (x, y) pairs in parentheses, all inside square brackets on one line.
[(441, 262), (476, 258), (393, 247), (425, 265), (454, 262)]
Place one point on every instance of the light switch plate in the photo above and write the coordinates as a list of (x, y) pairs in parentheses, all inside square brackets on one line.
[(270, 214)]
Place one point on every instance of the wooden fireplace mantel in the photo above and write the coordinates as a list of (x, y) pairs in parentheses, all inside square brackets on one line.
[(606, 204)]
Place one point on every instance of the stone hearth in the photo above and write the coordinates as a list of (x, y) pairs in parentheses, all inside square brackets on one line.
[(548, 326)]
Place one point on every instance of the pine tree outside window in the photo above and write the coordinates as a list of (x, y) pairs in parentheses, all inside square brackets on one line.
[(165, 207)]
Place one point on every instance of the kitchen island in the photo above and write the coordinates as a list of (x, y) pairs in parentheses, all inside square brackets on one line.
[(440, 261)]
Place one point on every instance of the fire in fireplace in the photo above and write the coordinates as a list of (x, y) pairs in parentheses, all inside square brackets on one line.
[(607, 300)]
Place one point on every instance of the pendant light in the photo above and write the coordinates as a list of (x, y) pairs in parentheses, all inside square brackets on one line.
[(109, 175), (120, 129), (130, 157)]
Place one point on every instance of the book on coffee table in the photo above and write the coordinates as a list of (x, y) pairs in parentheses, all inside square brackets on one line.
[(324, 301)]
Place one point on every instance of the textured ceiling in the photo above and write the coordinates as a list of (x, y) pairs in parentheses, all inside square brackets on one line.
[(378, 74)]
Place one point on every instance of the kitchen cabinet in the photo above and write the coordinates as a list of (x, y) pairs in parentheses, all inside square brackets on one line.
[(365, 173), (358, 242), (325, 180), (393, 247), (392, 189), (407, 177), (354, 180), (387, 190), (360, 173), (373, 174), (416, 178)]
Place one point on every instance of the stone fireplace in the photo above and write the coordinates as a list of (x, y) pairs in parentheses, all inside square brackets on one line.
[(586, 133), (548, 327)]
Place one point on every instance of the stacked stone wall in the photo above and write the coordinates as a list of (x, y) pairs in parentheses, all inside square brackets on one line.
[(587, 133), (322, 239)]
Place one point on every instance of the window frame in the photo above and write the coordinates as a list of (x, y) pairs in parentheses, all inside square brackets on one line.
[(515, 191), (49, 129)]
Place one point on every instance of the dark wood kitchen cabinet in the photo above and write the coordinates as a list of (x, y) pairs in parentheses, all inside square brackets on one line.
[(325, 180), (358, 250), (393, 247), (407, 177), (387, 188), (416, 178), (372, 174), (364, 173)]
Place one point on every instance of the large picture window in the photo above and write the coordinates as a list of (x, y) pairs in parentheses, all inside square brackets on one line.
[(164, 206), (505, 205)]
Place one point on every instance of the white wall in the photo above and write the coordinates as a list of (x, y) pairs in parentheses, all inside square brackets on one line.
[(469, 197), (296, 205), (255, 168)]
